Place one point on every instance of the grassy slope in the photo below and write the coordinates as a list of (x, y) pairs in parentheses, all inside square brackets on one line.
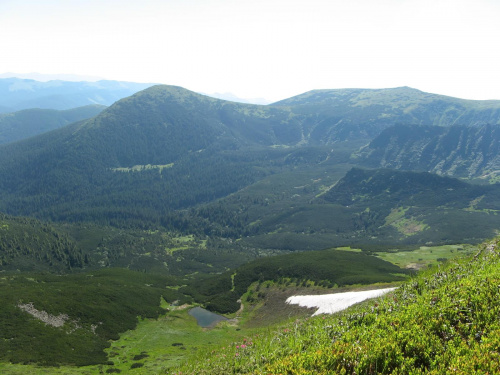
[(419, 257), (426, 256), (443, 321)]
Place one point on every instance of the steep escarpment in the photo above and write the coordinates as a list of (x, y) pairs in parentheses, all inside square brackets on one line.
[(461, 151)]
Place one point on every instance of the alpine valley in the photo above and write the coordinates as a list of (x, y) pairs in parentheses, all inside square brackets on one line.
[(115, 220)]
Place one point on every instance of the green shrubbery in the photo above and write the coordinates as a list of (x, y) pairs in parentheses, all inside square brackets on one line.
[(322, 267), (98, 305), (444, 321)]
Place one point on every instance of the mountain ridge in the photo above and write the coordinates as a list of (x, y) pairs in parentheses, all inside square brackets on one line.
[(470, 152), (30, 122), (17, 94), (184, 148)]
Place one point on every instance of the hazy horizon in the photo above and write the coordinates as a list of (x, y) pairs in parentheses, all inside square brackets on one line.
[(273, 49)]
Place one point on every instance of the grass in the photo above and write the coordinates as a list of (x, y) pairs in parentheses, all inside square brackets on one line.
[(425, 256), (184, 243), (166, 342), (405, 225), (139, 168), (172, 339)]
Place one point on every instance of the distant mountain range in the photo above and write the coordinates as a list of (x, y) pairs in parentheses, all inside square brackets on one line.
[(52, 77), (30, 122), (233, 98), (17, 94)]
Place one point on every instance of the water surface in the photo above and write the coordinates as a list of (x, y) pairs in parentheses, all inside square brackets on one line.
[(205, 318)]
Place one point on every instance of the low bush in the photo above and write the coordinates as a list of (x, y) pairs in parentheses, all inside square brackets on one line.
[(443, 321)]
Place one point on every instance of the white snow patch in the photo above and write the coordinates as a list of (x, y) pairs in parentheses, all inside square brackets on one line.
[(332, 303)]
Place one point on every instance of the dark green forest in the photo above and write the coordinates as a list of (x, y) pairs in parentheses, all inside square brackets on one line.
[(30, 245)]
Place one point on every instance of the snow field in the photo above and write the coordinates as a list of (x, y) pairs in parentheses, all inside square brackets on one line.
[(332, 303)]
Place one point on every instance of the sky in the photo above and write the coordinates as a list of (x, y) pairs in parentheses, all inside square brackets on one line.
[(271, 49)]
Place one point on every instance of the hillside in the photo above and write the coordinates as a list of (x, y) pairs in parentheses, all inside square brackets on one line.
[(461, 151), (170, 159), (443, 321), (162, 149), (376, 210), (328, 268), (417, 207), (53, 320), (17, 94), (30, 122), (169, 198), (369, 186), (367, 209), (29, 245), (167, 148), (342, 113)]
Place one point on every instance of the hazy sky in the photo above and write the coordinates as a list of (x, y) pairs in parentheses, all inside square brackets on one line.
[(261, 48)]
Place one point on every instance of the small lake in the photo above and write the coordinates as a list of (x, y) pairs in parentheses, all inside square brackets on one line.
[(205, 318)]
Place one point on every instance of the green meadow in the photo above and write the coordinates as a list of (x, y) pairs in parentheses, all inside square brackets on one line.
[(426, 256)]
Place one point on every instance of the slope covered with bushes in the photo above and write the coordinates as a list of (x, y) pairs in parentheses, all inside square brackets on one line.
[(54, 320), (325, 267), (443, 321)]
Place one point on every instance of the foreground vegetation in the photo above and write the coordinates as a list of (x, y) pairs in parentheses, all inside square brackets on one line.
[(442, 321), (448, 311), (69, 319)]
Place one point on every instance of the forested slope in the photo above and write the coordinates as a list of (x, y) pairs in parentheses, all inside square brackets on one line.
[(27, 244), (460, 151)]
